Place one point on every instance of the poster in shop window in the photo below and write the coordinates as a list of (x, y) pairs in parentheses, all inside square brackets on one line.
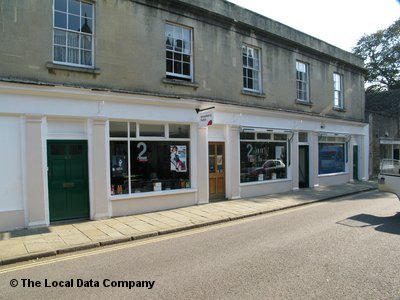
[(119, 166), (178, 158)]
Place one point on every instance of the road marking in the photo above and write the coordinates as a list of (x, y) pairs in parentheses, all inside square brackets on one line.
[(152, 240)]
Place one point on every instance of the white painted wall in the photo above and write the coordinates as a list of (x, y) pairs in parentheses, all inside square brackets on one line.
[(265, 188), (66, 129), (11, 183)]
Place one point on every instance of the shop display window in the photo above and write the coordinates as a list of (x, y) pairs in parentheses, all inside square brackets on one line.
[(331, 158), (159, 165), (119, 167), (262, 160), (157, 158)]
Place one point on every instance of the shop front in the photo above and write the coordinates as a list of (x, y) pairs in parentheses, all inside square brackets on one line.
[(98, 155)]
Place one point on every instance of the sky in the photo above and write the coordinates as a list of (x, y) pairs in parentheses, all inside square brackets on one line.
[(340, 22)]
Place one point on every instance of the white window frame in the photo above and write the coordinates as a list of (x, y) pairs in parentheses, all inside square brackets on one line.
[(338, 90), (302, 81), (173, 52), (251, 67), (80, 47)]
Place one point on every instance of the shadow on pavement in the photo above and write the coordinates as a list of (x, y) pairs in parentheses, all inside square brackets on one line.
[(23, 233), (384, 224)]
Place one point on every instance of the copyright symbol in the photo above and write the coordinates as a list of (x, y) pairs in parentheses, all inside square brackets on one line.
[(14, 282)]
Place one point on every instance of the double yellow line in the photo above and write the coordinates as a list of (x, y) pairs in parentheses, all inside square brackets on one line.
[(156, 239)]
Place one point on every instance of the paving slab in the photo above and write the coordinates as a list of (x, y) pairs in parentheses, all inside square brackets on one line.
[(27, 244)]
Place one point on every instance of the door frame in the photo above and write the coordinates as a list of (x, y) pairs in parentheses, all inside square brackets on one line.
[(217, 196), (85, 154)]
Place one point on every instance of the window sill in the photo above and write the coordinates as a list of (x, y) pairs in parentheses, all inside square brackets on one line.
[(53, 66), (333, 174), (152, 194), (302, 102), (339, 109), (251, 93), (252, 183), (180, 82)]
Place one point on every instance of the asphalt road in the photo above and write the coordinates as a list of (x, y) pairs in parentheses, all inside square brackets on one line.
[(347, 248)]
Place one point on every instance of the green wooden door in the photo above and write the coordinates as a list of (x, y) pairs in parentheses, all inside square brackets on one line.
[(355, 162), (304, 180), (68, 180)]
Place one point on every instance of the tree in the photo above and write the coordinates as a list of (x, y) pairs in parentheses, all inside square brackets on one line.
[(381, 53)]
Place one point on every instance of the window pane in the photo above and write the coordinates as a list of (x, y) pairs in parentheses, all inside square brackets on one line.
[(177, 67), (179, 131), (87, 10), (211, 158), (86, 58), (60, 54), (186, 69), (159, 165), (119, 167), (247, 136), (60, 5), (169, 39), (60, 20), (331, 158), (86, 42), (73, 40), (73, 56), (118, 129), (86, 25), (280, 137), (186, 37), (250, 84), (250, 62), (74, 7), (262, 161), (60, 37), (169, 66), (152, 130), (256, 83), (73, 23), (303, 137), (178, 36), (177, 56), (263, 136), (178, 45), (301, 67)]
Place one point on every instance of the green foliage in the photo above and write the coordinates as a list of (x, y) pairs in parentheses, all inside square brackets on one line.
[(381, 53)]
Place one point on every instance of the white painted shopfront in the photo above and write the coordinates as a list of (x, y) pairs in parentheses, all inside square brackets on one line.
[(133, 143)]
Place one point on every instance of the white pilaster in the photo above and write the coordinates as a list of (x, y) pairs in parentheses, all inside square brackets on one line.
[(101, 206), (202, 166), (36, 189)]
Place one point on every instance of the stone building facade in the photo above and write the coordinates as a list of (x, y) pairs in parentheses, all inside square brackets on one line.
[(382, 111), (116, 107)]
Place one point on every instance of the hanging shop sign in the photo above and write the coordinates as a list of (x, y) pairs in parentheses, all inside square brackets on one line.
[(206, 119)]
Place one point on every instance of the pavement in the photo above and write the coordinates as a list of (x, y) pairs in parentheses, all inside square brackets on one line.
[(30, 244)]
